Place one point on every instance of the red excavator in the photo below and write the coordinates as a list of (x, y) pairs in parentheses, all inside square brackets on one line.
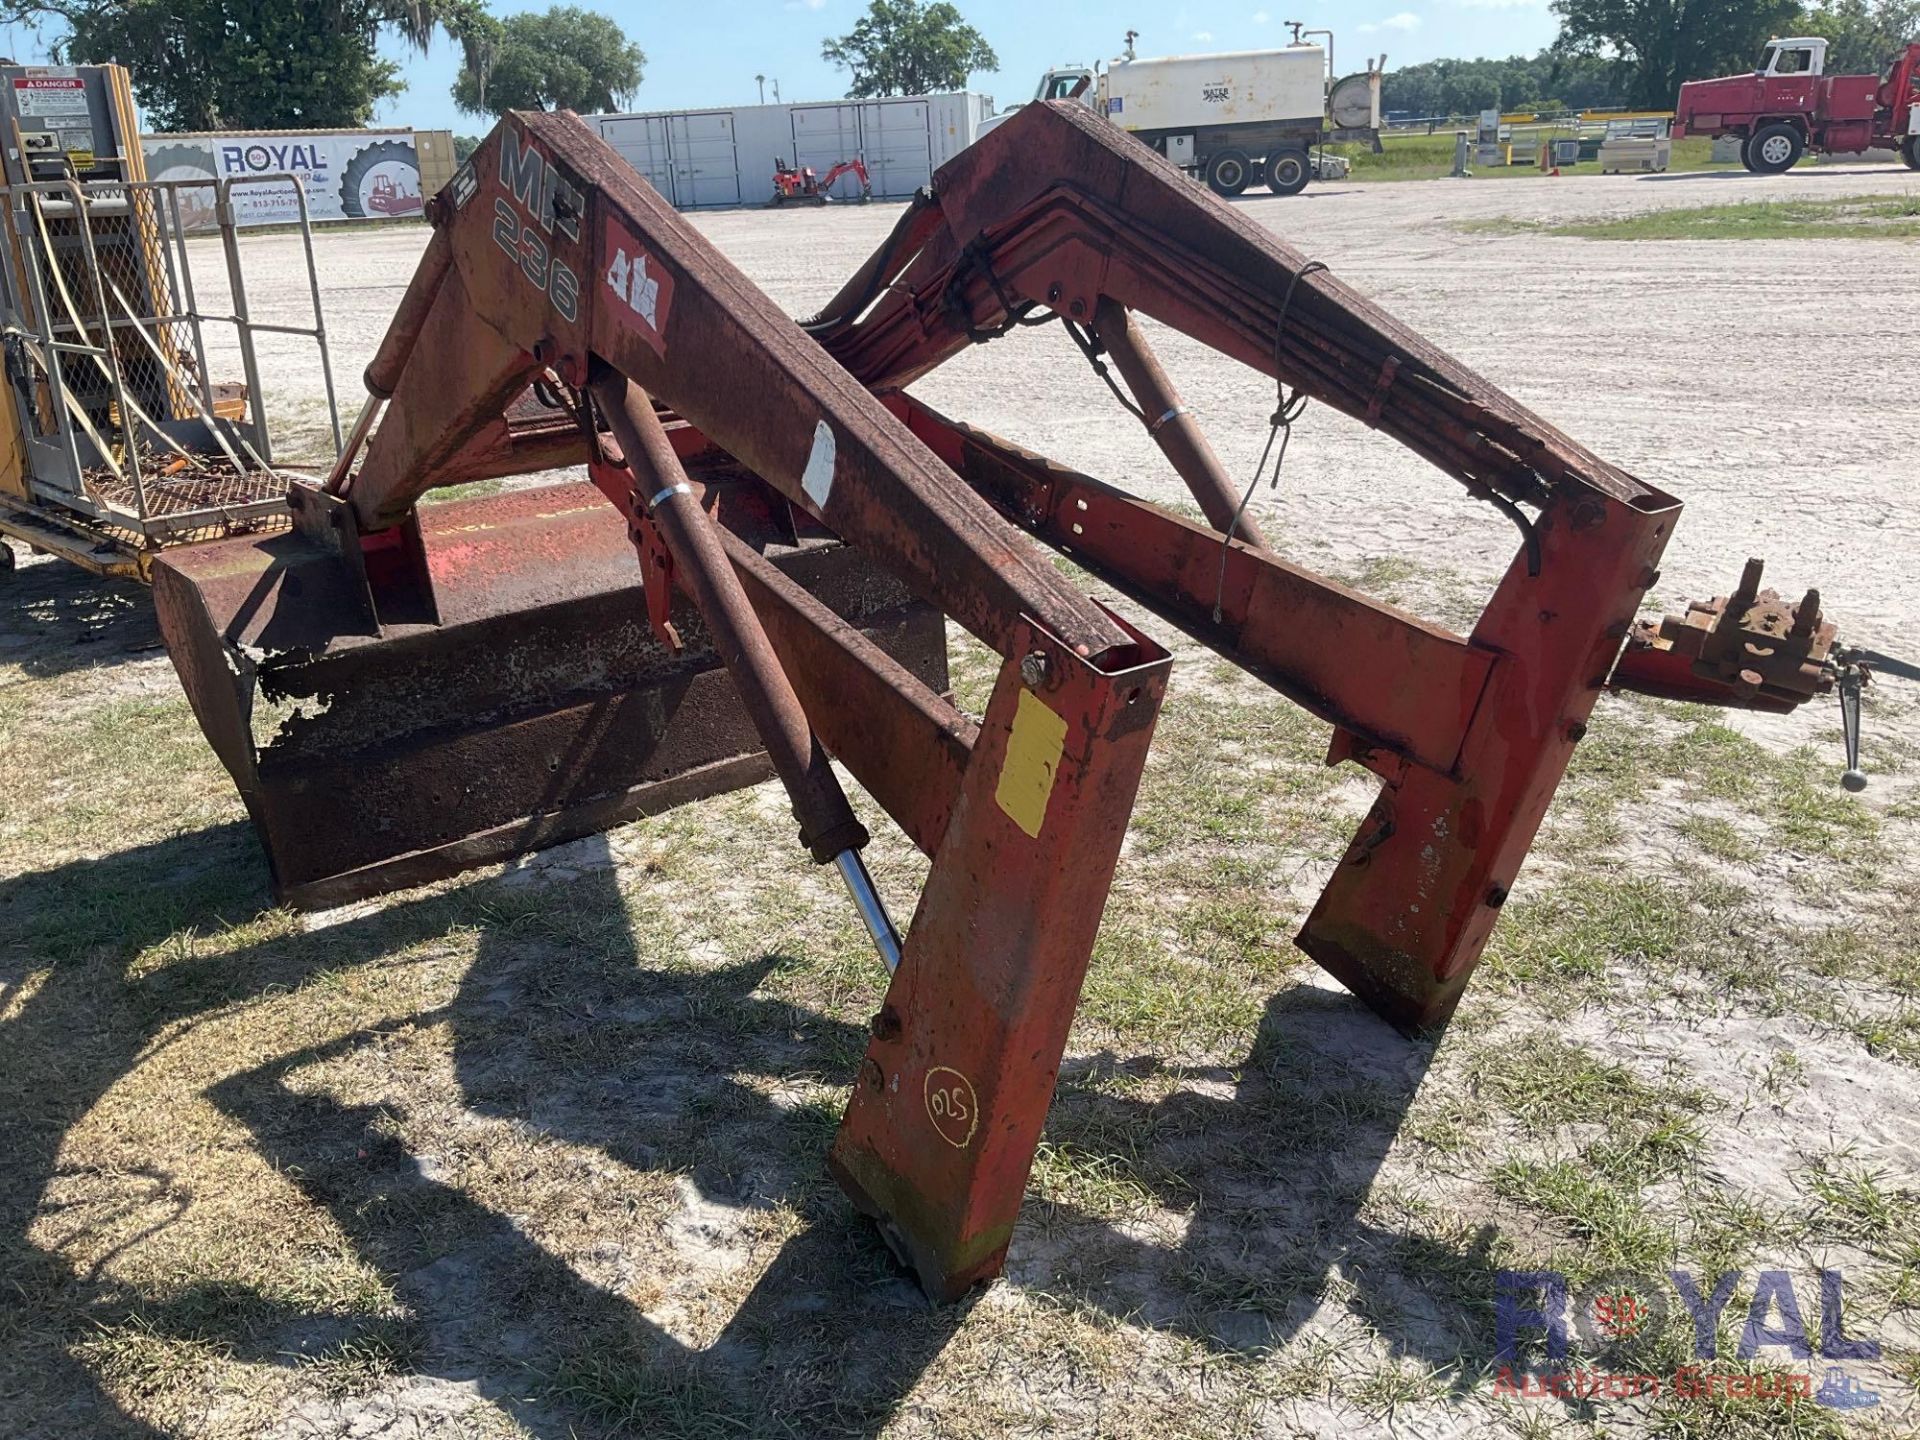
[(799, 185), (755, 577)]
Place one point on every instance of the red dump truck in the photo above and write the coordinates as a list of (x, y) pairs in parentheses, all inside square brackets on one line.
[(1790, 106)]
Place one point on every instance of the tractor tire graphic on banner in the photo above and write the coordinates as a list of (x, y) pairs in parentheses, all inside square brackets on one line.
[(186, 162), (382, 182)]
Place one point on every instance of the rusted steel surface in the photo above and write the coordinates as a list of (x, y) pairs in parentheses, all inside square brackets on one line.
[(1058, 208), (700, 562), (1172, 426), (1470, 734), (583, 259), (403, 331), (1058, 211), (1406, 686), (1752, 649), (463, 682), (939, 1138), (540, 708), (467, 681), (906, 745), (1409, 908)]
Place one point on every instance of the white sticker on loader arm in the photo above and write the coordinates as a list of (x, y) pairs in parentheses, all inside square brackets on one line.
[(818, 479)]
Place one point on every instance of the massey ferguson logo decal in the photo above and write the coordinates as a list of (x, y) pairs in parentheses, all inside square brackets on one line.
[(544, 203)]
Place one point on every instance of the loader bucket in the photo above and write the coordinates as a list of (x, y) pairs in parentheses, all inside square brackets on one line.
[(541, 707)]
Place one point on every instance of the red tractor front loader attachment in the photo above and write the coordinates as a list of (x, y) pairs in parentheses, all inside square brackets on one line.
[(755, 577)]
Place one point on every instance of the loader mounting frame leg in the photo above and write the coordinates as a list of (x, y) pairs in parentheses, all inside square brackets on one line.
[(947, 1110)]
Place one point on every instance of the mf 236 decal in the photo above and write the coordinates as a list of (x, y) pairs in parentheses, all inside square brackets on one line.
[(544, 203)]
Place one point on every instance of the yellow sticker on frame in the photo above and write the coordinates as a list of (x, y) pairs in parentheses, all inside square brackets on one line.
[(1033, 759)]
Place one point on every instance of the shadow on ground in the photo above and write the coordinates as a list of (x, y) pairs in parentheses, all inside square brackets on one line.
[(655, 1067), (1271, 1165), (62, 618)]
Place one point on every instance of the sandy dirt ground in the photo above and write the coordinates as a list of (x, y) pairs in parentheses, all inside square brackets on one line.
[(579, 1109)]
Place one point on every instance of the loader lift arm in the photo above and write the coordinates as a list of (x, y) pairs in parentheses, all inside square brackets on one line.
[(1060, 216), (555, 269), (564, 313)]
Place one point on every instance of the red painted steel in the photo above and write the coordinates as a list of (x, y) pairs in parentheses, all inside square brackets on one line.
[(797, 483), (940, 1135), (555, 268), (1059, 214), (622, 276)]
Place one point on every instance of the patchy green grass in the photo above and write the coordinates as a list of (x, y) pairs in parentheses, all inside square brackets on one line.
[(1847, 217), (539, 1154)]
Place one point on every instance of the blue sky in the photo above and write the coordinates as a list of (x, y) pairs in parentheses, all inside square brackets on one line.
[(707, 52)]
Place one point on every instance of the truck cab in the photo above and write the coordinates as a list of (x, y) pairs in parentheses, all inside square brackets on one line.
[(1054, 85), (1060, 84), (1790, 105), (1788, 71), (1797, 55)]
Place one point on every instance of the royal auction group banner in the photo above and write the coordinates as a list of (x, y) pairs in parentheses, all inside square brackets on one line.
[(355, 175)]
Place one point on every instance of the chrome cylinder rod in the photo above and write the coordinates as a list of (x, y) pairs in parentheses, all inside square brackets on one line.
[(873, 912)]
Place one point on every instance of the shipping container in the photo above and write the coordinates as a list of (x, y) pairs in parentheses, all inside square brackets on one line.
[(641, 141), (706, 166), (705, 158)]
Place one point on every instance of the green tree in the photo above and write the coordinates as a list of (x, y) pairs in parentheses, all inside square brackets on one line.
[(566, 59), (255, 64), (1520, 82), (904, 47), (1658, 44), (1865, 33)]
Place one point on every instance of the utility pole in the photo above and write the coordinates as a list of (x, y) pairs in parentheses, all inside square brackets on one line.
[(776, 90), (761, 81)]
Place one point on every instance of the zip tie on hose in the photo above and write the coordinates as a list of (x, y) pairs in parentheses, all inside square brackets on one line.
[(1286, 410)]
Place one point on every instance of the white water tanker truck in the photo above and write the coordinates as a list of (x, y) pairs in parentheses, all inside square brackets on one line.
[(1241, 118)]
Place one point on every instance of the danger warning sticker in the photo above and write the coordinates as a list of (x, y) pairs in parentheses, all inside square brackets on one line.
[(642, 290), (41, 95)]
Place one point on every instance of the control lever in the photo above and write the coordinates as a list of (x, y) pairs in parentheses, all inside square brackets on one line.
[(1853, 679)]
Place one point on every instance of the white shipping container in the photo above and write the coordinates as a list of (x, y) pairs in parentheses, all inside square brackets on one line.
[(762, 134), (896, 137), (641, 141), (823, 136), (1242, 87), (954, 122), (699, 158), (706, 168)]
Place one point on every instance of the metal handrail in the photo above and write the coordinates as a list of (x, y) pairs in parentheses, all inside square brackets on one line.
[(68, 335)]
